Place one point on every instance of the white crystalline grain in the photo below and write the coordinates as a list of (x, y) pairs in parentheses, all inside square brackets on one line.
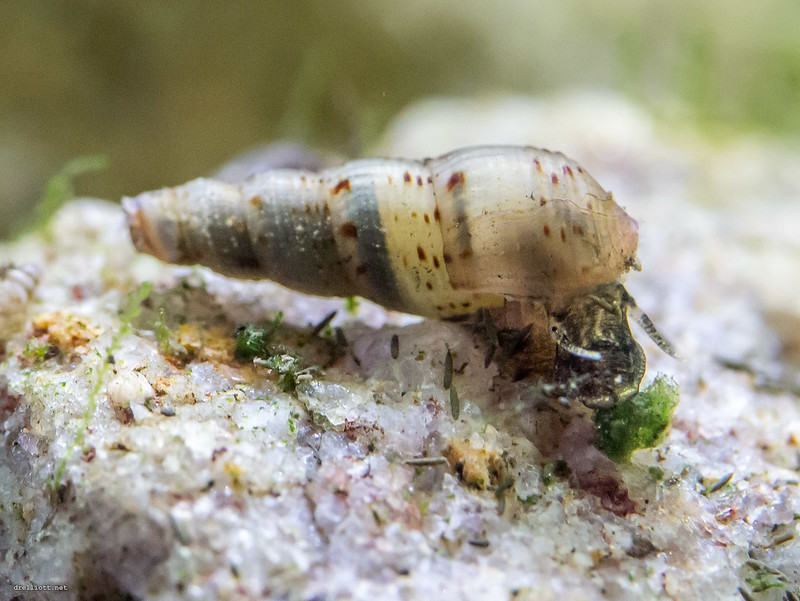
[(127, 388)]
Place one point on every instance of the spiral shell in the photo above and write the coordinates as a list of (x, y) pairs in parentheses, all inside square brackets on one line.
[(17, 285), (439, 238)]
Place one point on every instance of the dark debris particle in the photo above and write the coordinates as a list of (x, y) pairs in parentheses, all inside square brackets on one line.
[(455, 405), (426, 461), (322, 324), (448, 370), (640, 548)]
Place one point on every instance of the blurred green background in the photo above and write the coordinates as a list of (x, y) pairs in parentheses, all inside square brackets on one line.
[(169, 90)]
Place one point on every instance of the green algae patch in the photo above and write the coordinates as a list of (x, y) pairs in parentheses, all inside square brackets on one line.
[(636, 423), (255, 341), (60, 189)]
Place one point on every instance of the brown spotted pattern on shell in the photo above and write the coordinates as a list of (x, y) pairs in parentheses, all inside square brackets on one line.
[(440, 238)]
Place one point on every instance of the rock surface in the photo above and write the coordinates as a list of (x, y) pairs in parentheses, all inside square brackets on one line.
[(142, 460)]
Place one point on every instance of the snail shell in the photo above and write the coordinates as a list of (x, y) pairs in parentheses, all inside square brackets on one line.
[(17, 285), (440, 238)]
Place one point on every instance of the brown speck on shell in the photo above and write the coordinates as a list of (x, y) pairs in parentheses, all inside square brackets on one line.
[(456, 179), (436, 261), (349, 230), (407, 177), (546, 229), (342, 185), (563, 235), (421, 253), (554, 178)]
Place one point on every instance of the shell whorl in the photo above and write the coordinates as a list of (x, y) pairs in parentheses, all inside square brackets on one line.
[(17, 286)]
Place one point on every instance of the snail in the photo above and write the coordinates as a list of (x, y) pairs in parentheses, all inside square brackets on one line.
[(444, 237)]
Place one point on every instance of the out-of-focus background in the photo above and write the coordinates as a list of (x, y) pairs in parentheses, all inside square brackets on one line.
[(168, 91)]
